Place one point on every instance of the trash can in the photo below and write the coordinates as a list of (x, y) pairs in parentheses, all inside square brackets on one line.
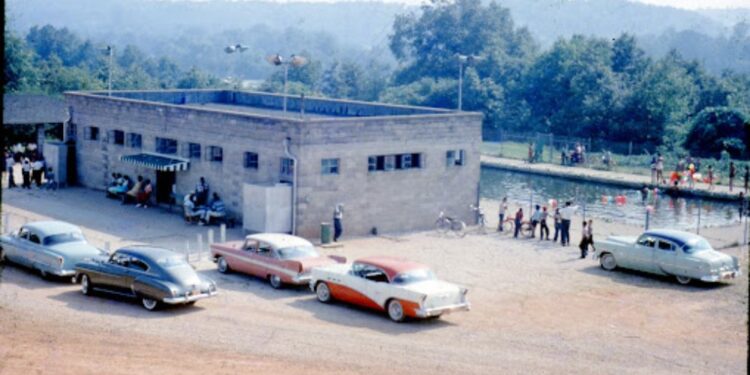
[(325, 233)]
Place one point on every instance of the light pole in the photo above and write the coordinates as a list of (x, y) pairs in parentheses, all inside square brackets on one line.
[(294, 60), (462, 59), (238, 48), (110, 53)]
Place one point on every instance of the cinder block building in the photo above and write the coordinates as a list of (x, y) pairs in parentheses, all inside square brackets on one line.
[(393, 167)]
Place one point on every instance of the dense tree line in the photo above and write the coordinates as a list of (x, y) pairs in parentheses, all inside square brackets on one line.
[(51, 60)]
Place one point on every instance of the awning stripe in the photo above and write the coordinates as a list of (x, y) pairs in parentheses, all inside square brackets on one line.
[(156, 161)]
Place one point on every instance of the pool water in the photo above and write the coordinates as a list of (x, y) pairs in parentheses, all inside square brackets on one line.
[(599, 200)]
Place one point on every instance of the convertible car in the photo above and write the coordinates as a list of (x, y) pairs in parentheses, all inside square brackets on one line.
[(279, 258), (400, 287), (153, 275), (52, 247), (686, 256)]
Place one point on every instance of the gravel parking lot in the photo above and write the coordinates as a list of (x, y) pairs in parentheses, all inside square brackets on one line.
[(536, 308)]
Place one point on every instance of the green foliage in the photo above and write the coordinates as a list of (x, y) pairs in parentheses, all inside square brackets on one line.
[(719, 129)]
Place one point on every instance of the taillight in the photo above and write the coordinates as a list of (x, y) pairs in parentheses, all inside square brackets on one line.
[(299, 268)]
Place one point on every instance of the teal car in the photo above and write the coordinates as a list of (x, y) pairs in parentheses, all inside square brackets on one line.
[(683, 255), (50, 247)]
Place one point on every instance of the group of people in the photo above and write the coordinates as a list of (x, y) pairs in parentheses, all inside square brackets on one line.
[(561, 218), (199, 209), (123, 188), (575, 156), (688, 170), (34, 170)]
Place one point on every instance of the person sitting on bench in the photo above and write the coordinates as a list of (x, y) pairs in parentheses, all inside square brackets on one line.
[(191, 213), (132, 194), (145, 194), (216, 209), (121, 187)]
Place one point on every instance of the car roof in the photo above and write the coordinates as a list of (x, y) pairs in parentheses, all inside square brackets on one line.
[(392, 266), (677, 236), (49, 228), (152, 253), (279, 240)]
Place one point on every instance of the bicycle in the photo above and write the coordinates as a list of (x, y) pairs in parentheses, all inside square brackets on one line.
[(509, 226), (481, 222), (446, 223)]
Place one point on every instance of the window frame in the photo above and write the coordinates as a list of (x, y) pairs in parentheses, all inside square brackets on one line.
[(247, 161), (114, 137), (329, 167), (91, 133), (161, 141), (129, 140), (455, 158), (213, 156)]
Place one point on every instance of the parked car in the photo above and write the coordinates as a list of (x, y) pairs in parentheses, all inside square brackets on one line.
[(51, 247), (153, 275), (279, 258), (686, 256), (400, 287)]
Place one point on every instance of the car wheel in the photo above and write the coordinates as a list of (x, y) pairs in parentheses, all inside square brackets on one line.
[(323, 292), (684, 280), (44, 274), (86, 287), (395, 310), (607, 261), (221, 263), (275, 281), (149, 304)]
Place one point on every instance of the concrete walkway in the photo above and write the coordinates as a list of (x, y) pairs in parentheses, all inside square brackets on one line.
[(719, 192)]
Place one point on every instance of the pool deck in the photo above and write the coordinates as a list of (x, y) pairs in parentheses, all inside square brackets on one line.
[(719, 192)]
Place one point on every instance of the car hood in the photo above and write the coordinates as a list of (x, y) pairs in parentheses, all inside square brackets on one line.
[(77, 250), (431, 287), (309, 263)]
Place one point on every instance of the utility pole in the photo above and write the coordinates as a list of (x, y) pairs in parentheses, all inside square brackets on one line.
[(110, 52)]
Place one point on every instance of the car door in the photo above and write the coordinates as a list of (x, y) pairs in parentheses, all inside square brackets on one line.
[(368, 286), (139, 269), (642, 255), (250, 262), (35, 253), (115, 276), (665, 258), (18, 251), (265, 260)]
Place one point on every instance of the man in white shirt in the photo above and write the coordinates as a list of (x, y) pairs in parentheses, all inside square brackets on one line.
[(501, 213), (9, 163), (37, 167), (566, 214)]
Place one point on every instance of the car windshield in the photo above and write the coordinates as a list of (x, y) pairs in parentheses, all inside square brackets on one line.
[(297, 252), (697, 244), (414, 276), (57, 239), (177, 267)]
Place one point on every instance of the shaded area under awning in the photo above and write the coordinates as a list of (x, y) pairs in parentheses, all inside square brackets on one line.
[(158, 162)]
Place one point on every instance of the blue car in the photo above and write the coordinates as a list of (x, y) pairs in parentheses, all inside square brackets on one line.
[(51, 247)]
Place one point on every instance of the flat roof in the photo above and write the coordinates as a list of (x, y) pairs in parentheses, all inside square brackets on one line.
[(24, 109), (269, 105)]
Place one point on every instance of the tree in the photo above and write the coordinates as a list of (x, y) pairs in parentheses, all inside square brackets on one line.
[(718, 129), (196, 79), (19, 72)]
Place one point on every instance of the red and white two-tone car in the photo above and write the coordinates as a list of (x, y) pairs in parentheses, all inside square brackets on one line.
[(279, 258), (398, 286)]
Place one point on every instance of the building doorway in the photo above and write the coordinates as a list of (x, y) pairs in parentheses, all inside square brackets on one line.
[(164, 182)]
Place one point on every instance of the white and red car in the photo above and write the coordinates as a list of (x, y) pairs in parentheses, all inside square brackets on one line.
[(279, 258), (400, 287)]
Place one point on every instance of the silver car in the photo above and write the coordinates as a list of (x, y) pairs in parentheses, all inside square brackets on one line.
[(686, 256), (51, 247)]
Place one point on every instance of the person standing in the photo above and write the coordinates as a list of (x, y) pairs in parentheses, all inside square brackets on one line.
[(501, 213), (338, 226), (51, 184), (517, 221), (543, 228), (566, 215), (747, 177), (535, 218), (558, 224), (201, 192), (36, 172), (584, 244), (9, 163), (742, 205), (659, 169), (710, 174), (691, 175), (732, 174), (26, 173), (132, 194)]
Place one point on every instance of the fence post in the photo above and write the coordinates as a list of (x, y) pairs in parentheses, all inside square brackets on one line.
[(210, 237), (5, 222), (106, 246), (700, 205), (200, 245), (223, 232), (648, 216), (630, 148)]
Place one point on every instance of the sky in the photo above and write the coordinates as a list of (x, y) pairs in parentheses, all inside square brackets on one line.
[(696, 4)]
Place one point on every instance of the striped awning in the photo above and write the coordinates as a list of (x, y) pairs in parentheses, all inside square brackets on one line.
[(157, 161)]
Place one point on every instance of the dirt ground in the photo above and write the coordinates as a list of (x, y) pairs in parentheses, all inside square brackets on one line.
[(536, 308)]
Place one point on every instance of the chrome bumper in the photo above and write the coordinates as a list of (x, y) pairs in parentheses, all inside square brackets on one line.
[(723, 276), (434, 311), (186, 299), (65, 273), (302, 279)]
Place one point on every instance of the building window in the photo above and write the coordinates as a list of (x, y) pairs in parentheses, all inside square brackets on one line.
[(117, 137), (251, 160), (287, 169), (91, 133), (329, 166), (454, 157), (192, 150), (394, 162), (134, 140), (166, 146), (215, 153)]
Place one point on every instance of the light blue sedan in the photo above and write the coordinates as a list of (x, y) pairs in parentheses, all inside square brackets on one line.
[(51, 247), (684, 255)]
